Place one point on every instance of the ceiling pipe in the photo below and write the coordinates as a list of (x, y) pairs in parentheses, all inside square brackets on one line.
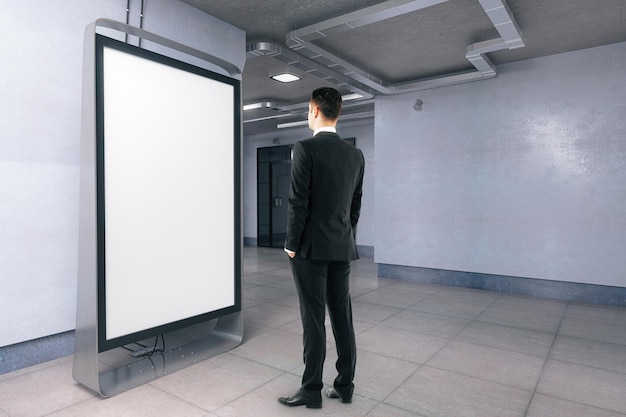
[(497, 11)]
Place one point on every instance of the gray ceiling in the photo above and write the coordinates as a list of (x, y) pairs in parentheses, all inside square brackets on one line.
[(379, 47)]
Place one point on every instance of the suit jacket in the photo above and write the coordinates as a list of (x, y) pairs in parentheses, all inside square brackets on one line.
[(325, 198)]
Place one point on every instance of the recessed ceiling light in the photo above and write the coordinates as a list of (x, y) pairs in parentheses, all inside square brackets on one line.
[(285, 77), (292, 124), (353, 96)]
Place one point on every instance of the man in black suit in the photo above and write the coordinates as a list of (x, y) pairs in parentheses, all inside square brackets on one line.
[(324, 207)]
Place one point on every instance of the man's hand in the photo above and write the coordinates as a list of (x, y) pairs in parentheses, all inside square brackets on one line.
[(291, 253)]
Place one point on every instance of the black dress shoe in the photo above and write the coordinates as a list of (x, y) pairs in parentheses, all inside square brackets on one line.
[(332, 393), (300, 398)]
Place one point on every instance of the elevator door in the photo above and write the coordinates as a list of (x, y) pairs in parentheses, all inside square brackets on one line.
[(273, 176)]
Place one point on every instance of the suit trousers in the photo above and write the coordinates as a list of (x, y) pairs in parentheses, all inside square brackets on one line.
[(320, 284)]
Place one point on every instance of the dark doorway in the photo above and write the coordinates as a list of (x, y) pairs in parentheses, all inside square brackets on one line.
[(273, 176)]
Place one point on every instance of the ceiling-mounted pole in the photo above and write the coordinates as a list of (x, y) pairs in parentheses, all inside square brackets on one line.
[(140, 21), (127, 19)]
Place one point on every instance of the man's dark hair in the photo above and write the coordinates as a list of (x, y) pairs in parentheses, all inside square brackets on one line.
[(329, 102)]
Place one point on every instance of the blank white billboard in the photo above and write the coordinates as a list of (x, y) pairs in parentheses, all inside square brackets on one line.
[(168, 193)]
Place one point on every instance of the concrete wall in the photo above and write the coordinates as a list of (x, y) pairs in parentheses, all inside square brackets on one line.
[(40, 121), (522, 175)]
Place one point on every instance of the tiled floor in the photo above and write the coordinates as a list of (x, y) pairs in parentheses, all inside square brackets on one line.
[(424, 350)]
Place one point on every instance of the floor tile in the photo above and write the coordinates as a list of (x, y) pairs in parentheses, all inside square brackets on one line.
[(384, 410), (528, 320), (436, 305), (543, 406), (363, 282), (377, 375), (294, 326), (508, 338), (215, 382), (291, 301), (372, 313), (141, 401), (255, 267), (265, 293), (361, 326), (276, 348), (414, 287), (269, 314), (424, 350), (594, 330), (41, 392), (590, 353), (432, 324), (533, 304), (390, 298), (468, 295), (436, 393), (261, 278), (284, 284), (496, 365), (583, 384), (400, 344), (605, 314)]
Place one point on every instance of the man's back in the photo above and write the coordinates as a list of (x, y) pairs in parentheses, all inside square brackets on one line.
[(325, 198)]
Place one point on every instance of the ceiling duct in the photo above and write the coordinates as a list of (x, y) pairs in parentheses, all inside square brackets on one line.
[(355, 116), (308, 65), (307, 57), (510, 37), (300, 110), (304, 64), (497, 11), (363, 17)]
